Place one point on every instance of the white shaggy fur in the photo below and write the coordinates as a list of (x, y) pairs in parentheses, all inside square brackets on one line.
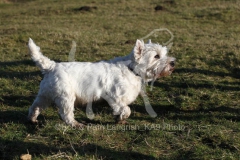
[(118, 81)]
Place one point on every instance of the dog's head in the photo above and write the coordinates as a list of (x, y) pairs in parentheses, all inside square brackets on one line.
[(150, 61)]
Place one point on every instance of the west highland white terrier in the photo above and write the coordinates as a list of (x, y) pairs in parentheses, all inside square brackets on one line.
[(117, 81)]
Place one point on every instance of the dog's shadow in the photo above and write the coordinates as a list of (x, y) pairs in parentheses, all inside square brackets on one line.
[(99, 108), (102, 108), (171, 112), (13, 149), (139, 112)]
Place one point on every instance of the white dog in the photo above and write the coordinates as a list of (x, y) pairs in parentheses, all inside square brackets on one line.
[(119, 82)]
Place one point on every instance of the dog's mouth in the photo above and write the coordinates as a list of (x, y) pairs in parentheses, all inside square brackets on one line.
[(167, 70), (166, 73), (158, 71)]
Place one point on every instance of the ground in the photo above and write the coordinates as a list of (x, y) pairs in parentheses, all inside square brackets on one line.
[(197, 106)]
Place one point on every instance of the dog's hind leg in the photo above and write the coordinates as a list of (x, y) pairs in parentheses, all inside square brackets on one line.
[(66, 109), (38, 105)]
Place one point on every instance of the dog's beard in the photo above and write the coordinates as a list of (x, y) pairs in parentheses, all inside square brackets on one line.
[(157, 69)]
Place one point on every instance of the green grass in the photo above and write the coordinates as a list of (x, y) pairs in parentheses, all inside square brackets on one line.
[(197, 106)]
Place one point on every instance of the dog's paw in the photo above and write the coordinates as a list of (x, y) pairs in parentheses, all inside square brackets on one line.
[(78, 125), (35, 122), (119, 121), (122, 122)]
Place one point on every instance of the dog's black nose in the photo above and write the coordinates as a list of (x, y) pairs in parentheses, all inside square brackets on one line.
[(172, 63)]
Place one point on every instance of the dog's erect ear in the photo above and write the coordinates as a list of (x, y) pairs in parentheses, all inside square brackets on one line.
[(138, 49)]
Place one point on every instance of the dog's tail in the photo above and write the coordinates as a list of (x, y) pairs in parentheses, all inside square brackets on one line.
[(44, 63)]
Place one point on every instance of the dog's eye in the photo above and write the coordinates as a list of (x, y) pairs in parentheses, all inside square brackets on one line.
[(157, 56)]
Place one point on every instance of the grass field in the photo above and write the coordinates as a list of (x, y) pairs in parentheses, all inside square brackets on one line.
[(198, 105)]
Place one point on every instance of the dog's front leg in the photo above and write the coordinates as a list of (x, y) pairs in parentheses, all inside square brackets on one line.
[(124, 114), (120, 111)]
